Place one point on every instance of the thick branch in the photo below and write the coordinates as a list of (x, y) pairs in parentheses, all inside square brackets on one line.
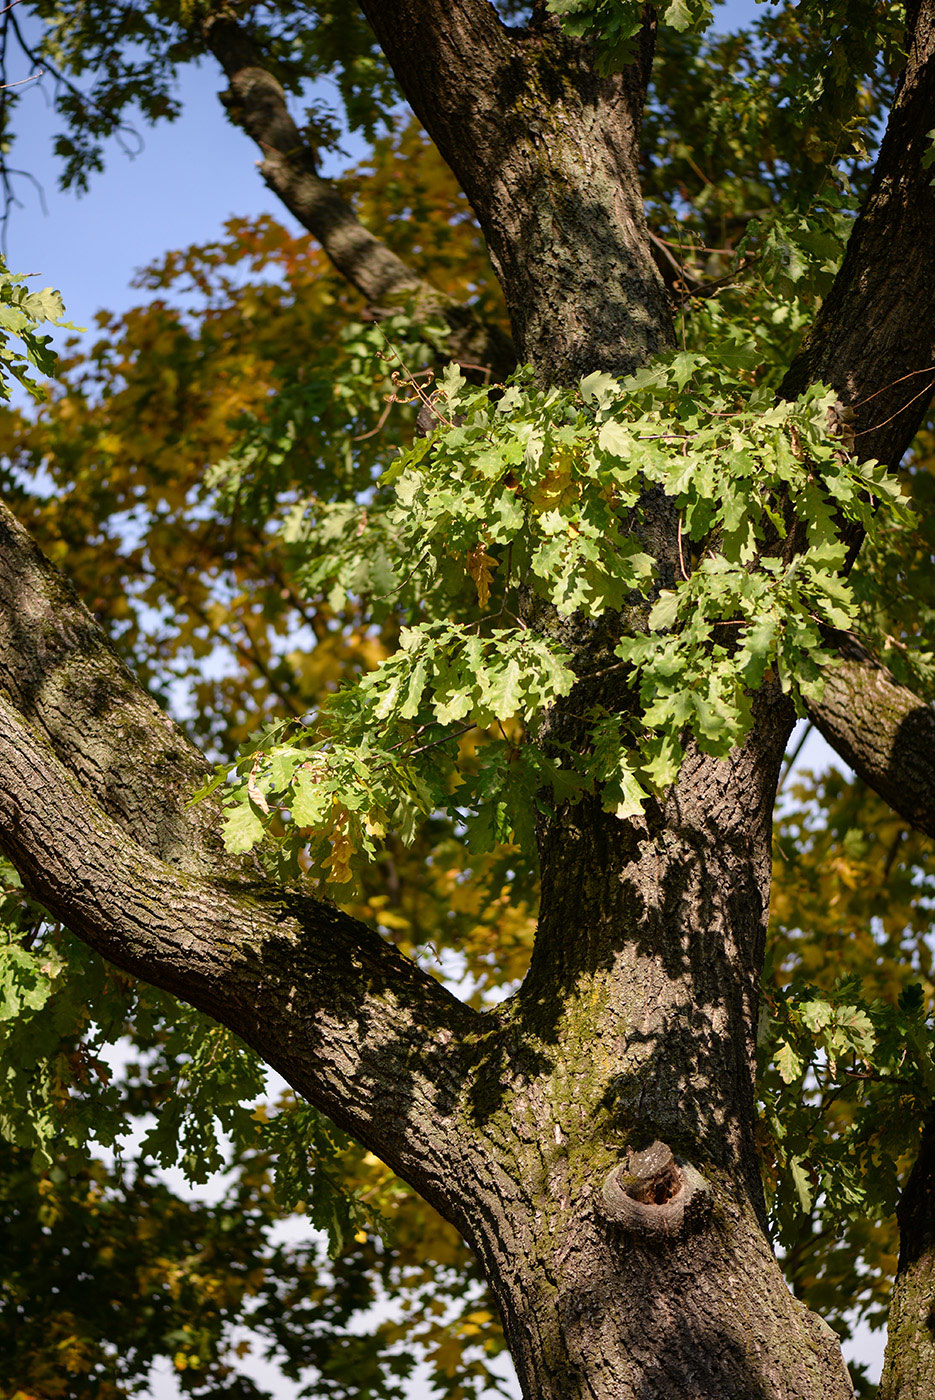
[(546, 151), (62, 674), (94, 785), (353, 1025), (877, 324), (256, 102), (884, 731)]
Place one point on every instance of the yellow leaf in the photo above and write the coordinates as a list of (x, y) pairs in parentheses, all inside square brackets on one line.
[(480, 566), (558, 488), (339, 861)]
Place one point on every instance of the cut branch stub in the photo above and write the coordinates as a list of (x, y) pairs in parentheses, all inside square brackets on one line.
[(654, 1195)]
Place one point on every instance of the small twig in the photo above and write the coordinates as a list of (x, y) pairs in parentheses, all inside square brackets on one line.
[(892, 385), (877, 426), (681, 555), (382, 597), (708, 289), (445, 738), (872, 1076), (790, 761), (33, 77), (702, 247), (28, 175), (424, 398), (362, 437), (893, 851), (682, 302), (604, 671)]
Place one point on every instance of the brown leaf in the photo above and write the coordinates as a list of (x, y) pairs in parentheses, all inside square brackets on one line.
[(480, 566)]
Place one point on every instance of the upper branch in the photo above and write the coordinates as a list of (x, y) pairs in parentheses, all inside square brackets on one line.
[(884, 731), (256, 102), (874, 337), (874, 342)]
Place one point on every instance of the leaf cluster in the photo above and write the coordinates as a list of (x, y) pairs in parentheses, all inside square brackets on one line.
[(542, 492)]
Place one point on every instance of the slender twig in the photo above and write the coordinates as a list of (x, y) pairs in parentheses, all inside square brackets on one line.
[(790, 761), (877, 426), (33, 77), (892, 385), (681, 555), (445, 738), (362, 437), (423, 398)]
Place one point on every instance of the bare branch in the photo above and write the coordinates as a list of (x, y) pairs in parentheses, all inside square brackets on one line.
[(256, 102)]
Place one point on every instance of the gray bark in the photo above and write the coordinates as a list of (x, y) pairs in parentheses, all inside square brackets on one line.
[(255, 101)]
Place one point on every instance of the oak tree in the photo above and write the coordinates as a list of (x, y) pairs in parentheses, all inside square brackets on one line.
[(675, 497)]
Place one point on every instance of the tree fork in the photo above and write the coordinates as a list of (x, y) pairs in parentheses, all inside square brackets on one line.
[(546, 152), (622, 1071)]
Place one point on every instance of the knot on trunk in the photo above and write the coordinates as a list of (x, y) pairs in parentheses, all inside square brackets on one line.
[(654, 1195)]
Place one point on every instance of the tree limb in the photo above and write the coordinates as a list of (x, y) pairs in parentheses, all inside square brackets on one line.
[(874, 342), (883, 730), (256, 102), (62, 674), (876, 327), (353, 1025), (95, 783)]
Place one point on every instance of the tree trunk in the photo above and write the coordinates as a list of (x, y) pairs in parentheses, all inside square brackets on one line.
[(909, 1367), (545, 151), (616, 1202)]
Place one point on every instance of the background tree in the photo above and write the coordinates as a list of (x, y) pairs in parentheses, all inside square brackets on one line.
[(614, 597)]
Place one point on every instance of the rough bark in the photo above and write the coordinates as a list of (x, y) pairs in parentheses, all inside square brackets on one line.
[(546, 152), (637, 1026), (909, 1366), (883, 730), (509, 1124), (593, 1139), (353, 1025), (62, 674)]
